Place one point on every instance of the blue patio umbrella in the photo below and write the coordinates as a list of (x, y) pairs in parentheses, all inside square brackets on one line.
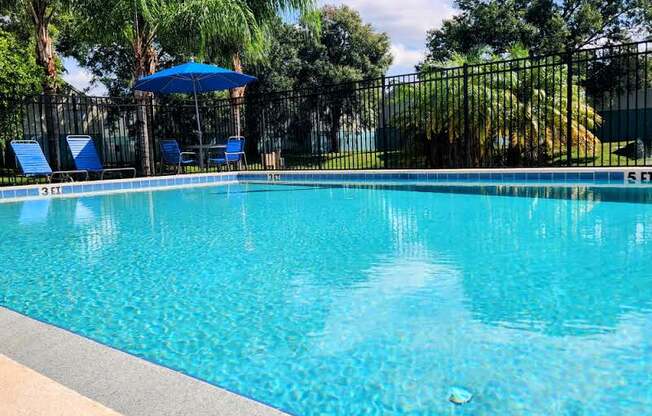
[(193, 78)]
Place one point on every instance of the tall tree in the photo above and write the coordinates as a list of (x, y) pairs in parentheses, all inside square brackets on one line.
[(137, 32), (517, 115), (39, 16), (150, 30), (542, 26), (223, 39), (125, 33), (19, 76), (345, 49)]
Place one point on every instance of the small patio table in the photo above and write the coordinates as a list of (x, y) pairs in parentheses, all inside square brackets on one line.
[(202, 149)]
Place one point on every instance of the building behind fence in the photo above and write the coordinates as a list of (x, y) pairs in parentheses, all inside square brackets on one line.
[(586, 108)]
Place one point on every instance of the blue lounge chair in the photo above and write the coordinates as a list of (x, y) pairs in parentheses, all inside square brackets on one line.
[(233, 153), (33, 164), (171, 155), (84, 153)]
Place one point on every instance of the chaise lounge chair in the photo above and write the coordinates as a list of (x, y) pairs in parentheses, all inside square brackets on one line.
[(33, 164), (232, 154), (171, 155), (84, 153)]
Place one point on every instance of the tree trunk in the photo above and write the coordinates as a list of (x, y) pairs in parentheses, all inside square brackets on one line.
[(438, 151), (236, 95), (514, 152), (145, 62), (45, 58), (143, 100), (335, 129)]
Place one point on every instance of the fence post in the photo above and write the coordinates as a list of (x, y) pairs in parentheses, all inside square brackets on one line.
[(569, 106), (152, 136), (75, 113), (467, 139), (319, 149), (383, 122), (142, 101), (51, 107)]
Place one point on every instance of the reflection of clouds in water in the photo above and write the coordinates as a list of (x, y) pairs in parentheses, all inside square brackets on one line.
[(34, 212), (429, 345), (549, 343), (359, 313), (99, 229), (378, 307), (83, 213)]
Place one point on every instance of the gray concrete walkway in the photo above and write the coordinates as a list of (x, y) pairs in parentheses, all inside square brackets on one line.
[(112, 378)]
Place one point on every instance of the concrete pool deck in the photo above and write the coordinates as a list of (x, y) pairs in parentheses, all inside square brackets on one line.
[(51, 362), (23, 391)]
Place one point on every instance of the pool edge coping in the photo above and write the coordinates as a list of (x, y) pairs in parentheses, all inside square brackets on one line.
[(580, 176), (113, 186), (65, 357)]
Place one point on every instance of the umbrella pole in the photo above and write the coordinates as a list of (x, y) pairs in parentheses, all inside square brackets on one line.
[(199, 133)]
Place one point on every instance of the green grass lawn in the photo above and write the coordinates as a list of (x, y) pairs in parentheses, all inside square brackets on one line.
[(8, 177), (606, 154), (330, 161)]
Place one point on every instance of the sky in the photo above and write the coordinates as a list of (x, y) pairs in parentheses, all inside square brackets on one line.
[(406, 22)]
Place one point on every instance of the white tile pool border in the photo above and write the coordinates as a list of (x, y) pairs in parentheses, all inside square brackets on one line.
[(569, 176), (151, 183), (633, 176)]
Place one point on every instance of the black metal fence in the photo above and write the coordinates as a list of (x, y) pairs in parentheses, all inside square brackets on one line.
[(591, 107)]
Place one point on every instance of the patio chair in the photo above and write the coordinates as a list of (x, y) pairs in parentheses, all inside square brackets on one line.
[(233, 153), (84, 153), (171, 155), (33, 164)]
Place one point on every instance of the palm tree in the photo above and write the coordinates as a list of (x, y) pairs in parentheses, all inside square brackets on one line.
[(512, 110), (225, 30), (38, 15), (183, 27), (542, 86)]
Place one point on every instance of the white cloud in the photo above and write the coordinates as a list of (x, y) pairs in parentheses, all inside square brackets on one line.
[(80, 78), (405, 59), (406, 22)]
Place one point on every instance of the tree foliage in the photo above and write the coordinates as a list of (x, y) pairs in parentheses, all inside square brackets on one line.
[(345, 49), (19, 73), (517, 109), (36, 19), (19, 76), (216, 30), (133, 38), (542, 26)]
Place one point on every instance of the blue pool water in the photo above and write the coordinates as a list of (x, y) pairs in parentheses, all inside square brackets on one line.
[(340, 300)]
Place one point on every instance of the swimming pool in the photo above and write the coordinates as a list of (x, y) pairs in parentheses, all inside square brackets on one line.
[(336, 299)]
